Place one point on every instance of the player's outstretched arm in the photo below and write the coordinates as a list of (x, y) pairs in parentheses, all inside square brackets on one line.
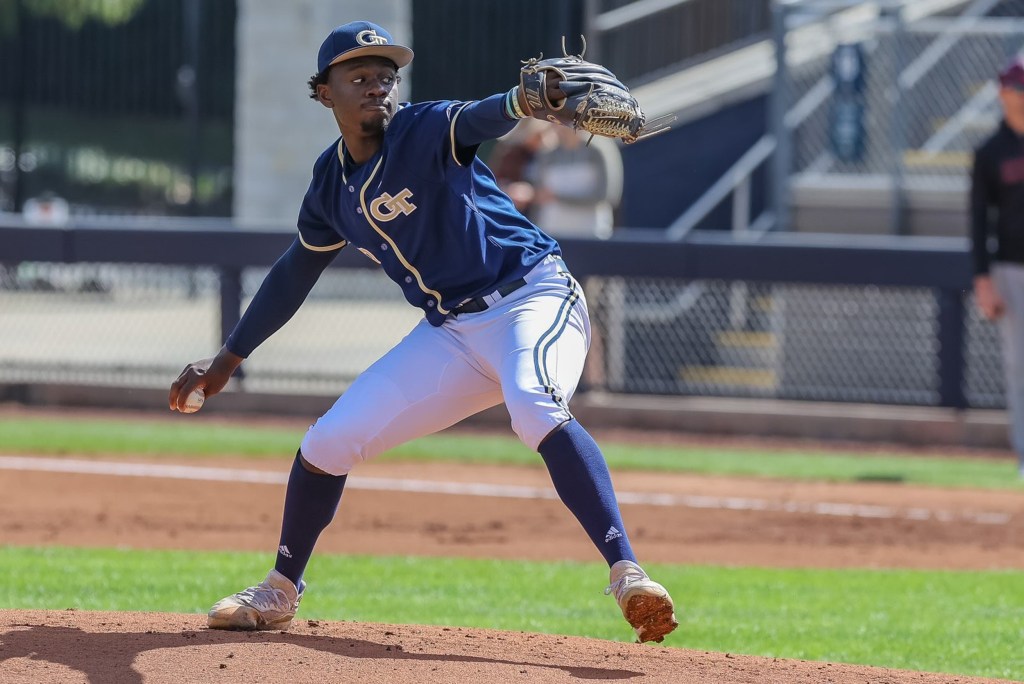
[(489, 119)]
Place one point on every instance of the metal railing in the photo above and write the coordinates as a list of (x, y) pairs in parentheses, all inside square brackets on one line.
[(735, 181), (923, 98), (644, 39)]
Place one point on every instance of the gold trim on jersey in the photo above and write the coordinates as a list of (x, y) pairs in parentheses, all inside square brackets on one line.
[(328, 248), (341, 158), (369, 255), (401, 257), (451, 132)]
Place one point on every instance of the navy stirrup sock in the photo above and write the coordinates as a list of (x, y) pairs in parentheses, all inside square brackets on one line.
[(309, 506), (580, 475)]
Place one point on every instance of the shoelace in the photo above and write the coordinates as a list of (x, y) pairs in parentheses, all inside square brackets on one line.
[(264, 596), (619, 585)]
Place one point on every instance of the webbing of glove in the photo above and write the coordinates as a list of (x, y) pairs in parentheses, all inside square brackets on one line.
[(596, 101), (610, 113)]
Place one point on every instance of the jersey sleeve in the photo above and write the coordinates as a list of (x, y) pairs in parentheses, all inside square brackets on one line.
[(315, 234), (480, 121), (442, 124), (284, 288)]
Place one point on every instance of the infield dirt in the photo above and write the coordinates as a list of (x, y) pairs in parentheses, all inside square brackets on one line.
[(921, 528), (47, 647)]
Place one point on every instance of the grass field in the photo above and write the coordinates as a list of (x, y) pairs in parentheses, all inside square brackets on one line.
[(955, 622), (193, 438)]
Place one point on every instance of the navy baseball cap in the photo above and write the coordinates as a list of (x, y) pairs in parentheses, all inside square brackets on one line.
[(1012, 75), (360, 39)]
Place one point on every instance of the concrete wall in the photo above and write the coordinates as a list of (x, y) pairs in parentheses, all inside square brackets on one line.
[(863, 204), (279, 131)]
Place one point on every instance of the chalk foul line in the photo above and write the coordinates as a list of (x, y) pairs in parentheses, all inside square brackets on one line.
[(214, 474)]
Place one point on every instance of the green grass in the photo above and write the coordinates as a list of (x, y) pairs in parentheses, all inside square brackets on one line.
[(969, 623), (198, 438)]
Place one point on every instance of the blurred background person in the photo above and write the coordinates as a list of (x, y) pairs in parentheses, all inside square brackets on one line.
[(513, 161), (577, 186), (997, 202)]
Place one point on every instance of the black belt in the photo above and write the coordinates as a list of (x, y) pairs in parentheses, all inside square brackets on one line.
[(480, 304)]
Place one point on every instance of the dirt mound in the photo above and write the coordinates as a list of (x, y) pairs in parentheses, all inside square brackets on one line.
[(46, 647)]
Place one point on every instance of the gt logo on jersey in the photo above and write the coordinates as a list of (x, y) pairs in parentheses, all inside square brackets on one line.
[(370, 37), (399, 204)]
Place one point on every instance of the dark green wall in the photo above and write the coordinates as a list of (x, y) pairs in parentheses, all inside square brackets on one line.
[(468, 49)]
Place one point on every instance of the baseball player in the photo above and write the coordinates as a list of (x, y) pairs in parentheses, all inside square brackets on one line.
[(997, 211), (504, 320)]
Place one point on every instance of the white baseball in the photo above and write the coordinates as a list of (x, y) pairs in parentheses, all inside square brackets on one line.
[(194, 402)]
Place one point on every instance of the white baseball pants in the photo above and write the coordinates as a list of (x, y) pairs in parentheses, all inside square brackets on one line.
[(527, 350)]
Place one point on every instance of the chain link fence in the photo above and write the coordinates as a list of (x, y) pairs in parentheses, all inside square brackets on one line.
[(715, 338), (823, 343), (137, 326)]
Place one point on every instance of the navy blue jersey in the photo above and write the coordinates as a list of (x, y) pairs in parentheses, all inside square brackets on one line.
[(440, 228)]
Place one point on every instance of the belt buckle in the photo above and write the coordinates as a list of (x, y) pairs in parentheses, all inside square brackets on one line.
[(486, 301), (472, 305)]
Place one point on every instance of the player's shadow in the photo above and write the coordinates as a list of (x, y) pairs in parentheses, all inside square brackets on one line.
[(108, 657)]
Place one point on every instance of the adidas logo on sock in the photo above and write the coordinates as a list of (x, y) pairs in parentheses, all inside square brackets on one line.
[(283, 550), (612, 533)]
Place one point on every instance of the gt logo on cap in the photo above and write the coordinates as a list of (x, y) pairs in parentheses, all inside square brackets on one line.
[(370, 37)]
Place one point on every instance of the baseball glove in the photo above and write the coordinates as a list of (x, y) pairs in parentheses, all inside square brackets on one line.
[(596, 101)]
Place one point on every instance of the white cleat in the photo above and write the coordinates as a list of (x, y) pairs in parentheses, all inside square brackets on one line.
[(271, 604), (644, 603)]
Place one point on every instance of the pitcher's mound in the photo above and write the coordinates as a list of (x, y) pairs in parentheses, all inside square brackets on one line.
[(80, 646)]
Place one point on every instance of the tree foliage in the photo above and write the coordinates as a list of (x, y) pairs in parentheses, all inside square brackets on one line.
[(72, 13)]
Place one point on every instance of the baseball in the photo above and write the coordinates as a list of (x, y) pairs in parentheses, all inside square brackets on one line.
[(194, 402)]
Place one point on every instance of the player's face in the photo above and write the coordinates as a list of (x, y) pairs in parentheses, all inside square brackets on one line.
[(363, 92)]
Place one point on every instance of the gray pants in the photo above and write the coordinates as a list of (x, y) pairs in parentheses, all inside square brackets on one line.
[(1009, 282)]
